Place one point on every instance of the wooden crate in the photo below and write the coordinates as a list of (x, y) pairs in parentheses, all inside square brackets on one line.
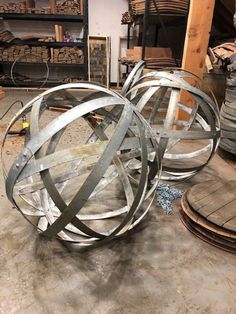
[(99, 51)]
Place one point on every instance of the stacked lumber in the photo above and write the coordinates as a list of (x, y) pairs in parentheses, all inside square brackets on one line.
[(218, 56), (155, 63), (152, 63), (24, 54), (127, 18), (165, 7), (128, 61), (228, 116), (45, 10), (69, 7), (72, 80), (12, 7), (67, 55)]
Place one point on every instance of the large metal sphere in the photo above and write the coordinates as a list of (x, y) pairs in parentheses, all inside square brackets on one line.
[(83, 175)]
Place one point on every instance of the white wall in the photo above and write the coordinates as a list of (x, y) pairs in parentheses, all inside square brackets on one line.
[(105, 19)]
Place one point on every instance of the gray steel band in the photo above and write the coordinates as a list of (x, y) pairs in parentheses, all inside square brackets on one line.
[(52, 128)]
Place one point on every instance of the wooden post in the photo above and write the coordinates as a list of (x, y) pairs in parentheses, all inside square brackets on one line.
[(197, 35), (196, 42)]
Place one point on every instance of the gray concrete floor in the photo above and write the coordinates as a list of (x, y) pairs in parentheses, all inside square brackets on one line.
[(160, 268)]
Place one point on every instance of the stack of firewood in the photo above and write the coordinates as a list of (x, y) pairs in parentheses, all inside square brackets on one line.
[(24, 54), (165, 7), (127, 18), (13, 7), (40, 54), (46, 10), (47, 39), (72, 80), (67, 55), (70, 7)]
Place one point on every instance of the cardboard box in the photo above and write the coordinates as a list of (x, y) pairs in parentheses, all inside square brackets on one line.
[(150, 52), (157, 52), (130, 53)]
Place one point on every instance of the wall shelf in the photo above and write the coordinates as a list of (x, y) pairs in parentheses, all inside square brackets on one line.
[(58, 71), (43, 17), (42, 43), (80, 66)]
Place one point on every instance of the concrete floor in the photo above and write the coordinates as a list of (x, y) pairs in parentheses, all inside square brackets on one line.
[(160, 268)]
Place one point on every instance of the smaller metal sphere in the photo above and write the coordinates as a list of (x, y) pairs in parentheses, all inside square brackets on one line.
[(184, 119)]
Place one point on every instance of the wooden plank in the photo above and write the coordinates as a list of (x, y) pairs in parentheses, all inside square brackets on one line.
[(216, 204), (197, 35), (231, 224), (57, 33), (202, 190), (82, 7), (203, 222), (224, 215), (60, 33), (196, 43), (213, 201), (2, 94), (53, 6), (208, 236)]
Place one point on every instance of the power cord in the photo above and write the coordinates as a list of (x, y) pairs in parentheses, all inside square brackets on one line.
[(12, 105), (25, 124)]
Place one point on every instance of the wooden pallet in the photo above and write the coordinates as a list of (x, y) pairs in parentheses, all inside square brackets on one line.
[(209, 211)]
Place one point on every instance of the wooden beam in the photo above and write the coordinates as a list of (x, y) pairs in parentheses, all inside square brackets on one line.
[(196, 42), (197, 35)]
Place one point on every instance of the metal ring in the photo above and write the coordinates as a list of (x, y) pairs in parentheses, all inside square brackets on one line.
[(31, 54)]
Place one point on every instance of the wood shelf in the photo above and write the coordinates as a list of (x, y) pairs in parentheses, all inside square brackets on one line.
[(42, 43), (64, 69), (82, 66), (43, 17)]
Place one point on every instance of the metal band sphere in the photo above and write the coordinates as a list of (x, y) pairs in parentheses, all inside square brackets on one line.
[(157, 95), (57, 181)]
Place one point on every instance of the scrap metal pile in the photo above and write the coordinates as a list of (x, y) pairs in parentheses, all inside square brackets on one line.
[(58, 183), (219, 56), (228, 115)]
